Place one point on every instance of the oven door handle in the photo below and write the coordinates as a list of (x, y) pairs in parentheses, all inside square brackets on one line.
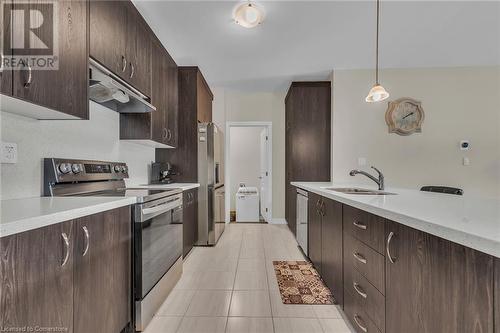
[(147, 213)]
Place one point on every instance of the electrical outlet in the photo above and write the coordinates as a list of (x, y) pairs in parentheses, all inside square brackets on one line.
[(9, 152)]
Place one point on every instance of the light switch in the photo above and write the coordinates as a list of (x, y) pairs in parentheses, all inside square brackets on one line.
[(466, 161), (9, 152)]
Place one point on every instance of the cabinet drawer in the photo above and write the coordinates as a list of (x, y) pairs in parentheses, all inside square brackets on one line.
[(366, 227), (367, 261), (357, 316), (367, 296)]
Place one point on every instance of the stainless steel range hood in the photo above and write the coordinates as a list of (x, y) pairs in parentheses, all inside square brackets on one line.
[(112, 92)]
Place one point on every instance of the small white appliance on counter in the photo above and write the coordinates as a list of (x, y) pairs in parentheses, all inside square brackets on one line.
[(247, 204)]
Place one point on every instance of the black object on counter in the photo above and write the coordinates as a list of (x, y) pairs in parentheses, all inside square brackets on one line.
[(443, 189)]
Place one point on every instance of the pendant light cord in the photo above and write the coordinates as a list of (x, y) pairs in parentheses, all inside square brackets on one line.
[(376, 47)]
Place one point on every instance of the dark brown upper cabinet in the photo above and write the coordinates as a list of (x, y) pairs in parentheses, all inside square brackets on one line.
[(157, 128), (120, 40), (307, 138), (195, 106), (434, 285), (59, 93)]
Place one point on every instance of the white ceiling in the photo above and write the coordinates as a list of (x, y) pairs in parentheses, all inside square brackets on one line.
[(306, 40)]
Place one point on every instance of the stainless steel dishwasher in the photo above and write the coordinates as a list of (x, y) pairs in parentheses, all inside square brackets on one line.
[(302, 198)]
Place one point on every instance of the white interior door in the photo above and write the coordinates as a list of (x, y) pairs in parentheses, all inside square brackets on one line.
[(264, 175)]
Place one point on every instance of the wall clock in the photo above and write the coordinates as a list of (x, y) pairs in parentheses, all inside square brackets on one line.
[(404, 116)]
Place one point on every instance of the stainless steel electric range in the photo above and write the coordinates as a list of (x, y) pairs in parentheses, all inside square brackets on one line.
[(157, 225)]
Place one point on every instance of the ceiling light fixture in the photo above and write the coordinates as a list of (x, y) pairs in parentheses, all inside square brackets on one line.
[(248, 15), (377, 92)]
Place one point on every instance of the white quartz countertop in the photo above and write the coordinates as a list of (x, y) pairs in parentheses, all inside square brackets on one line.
[(182, 186), (19, 215), (470, 221)]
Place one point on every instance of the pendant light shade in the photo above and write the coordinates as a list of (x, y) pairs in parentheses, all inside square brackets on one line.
[(377, 93)]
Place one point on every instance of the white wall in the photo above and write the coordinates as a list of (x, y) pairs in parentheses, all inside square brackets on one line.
[(260, 106), (244, 165), (459, 103), (97, 138)]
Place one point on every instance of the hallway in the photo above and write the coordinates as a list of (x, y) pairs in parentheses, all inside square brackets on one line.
[(232, 288)]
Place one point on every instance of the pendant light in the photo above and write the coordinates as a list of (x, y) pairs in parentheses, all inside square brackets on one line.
[(377, 92)]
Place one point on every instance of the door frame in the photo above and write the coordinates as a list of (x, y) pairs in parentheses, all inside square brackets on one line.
[(269, 128)]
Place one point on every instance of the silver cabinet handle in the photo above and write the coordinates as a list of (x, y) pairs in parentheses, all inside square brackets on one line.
[(124, 63), (30, 77), (322, 208), (132, 72), (66, 248), (356, 319), (359, 225), (164, 133), (1, 62), (388, 248), (359, 290), (359, 257), (169, 134), (87, 240)]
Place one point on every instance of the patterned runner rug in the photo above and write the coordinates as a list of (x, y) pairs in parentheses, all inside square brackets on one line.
[(299, 283)]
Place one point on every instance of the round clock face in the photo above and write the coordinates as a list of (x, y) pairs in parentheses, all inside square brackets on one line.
[(404, 116)]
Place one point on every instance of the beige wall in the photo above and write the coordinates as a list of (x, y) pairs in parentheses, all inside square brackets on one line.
[(459, 103), (245, 159), (259, 106)]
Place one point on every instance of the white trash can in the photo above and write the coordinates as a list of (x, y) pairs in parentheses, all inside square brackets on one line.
[(247, 204)]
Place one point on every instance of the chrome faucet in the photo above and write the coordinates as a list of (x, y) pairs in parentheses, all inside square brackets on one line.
[(379, 181)]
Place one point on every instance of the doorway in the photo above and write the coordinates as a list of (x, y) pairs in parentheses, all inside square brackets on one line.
[(248, 149)]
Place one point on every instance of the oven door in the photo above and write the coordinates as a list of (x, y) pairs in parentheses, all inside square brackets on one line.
[(157, 242)]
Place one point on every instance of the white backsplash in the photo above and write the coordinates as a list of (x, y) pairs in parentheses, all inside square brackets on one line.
[(97, 138)]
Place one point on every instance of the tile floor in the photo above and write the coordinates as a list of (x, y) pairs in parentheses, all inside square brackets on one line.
[(232, 288)]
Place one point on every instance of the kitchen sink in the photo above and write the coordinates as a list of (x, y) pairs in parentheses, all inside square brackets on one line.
[(356, 190)]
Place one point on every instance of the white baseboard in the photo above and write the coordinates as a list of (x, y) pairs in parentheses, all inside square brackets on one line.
[(278, 221)]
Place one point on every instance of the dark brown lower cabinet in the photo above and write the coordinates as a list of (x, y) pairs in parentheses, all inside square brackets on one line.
[(36, 283), (434, 285), (59, 278), (496, 287), (331, 248), (102, 281), (190, 220), (291, 208), (314, 230)]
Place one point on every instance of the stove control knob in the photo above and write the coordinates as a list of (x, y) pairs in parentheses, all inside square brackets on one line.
[(117, 168), (76, 168), (124, 169), (65, 168)]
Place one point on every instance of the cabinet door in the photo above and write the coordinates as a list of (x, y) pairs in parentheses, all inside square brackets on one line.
[(37, 283), (108, 21), (497, 295), (204, 100), (63, 89), (5, 74), (291, 198), (190, 220), (159, 92), (314, 230), (331, 251), (138, 51), (172, 110), (435, 285), (103, 272)]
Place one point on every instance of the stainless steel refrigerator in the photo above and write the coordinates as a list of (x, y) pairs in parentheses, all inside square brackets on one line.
[(211, 194)]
